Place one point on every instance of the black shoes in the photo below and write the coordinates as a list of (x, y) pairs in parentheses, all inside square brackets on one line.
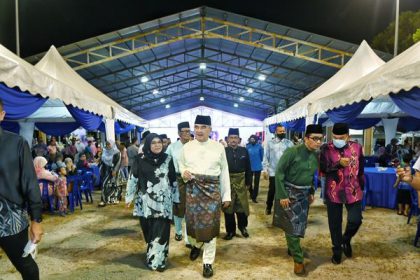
[(189, 246), (254, 200), (195, 252), (268, 211), (336, 259), (244, 232), (207, 270), (229, 236), (348, 252), (178, 237)]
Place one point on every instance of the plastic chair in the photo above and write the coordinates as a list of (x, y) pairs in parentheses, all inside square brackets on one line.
[(45, 195), (87, 185), (365, 193), (75, 196), (416, 238)]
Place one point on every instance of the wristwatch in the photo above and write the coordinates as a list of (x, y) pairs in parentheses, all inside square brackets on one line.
[(38, 220)]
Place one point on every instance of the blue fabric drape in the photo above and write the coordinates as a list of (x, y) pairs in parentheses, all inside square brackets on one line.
[(322, 120), (10, 126), (272, 128), (406, 124), (295, 125), (57, 129), (18, 104), (101, 127), (409, 101), (139, 129), (88, 121), (348, 113), (364, 123), (123, 128)]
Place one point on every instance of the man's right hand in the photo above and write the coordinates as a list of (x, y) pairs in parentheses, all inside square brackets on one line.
[(284, 203), (187, 175), (35, 232), (344, 161)]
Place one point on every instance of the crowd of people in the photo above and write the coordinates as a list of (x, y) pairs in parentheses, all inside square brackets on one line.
[(191, 182)]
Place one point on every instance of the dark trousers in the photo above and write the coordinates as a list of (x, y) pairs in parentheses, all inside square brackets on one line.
[(253, 190), (335, 218), (231, 224), (271, 192), (13, 247)]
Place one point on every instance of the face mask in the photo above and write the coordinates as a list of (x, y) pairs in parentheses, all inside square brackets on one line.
[(338, 143), (281, 135)]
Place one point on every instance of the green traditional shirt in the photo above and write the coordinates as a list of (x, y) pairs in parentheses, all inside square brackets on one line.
[(297, 166)]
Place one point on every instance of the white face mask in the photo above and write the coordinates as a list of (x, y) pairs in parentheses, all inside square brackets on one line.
[(338, 143)]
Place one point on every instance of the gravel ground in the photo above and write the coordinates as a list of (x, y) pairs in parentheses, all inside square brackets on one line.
[(107, 243)]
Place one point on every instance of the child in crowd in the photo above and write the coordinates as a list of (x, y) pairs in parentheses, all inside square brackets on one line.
[(61, 189), (403, 193), (82, 163)]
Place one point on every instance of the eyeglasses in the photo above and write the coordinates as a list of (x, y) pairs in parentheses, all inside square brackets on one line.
[(317, 139)]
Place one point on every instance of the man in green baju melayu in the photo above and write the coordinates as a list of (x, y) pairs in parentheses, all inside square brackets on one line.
[(294, 191)]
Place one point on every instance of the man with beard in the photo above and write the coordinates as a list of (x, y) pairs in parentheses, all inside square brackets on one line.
[(294, 191), (273, 152), (204, 167), (240, 179)]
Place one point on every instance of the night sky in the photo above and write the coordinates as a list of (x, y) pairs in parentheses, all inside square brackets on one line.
[(61, 22)]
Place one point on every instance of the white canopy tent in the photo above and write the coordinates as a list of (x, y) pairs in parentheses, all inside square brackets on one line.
[(400, 73), (54, 65), (16, 72), (362, 62)]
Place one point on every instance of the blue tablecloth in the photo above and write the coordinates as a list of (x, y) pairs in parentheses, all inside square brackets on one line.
[(379, 187)]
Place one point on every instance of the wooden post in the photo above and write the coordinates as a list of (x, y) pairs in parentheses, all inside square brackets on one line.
[(367, 141)]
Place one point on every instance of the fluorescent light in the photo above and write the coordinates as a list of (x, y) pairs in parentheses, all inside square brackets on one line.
[(155, 91), (250, 90), (202, 98), (144, 79), (262, 77), (162, 100), (241, 99), (235, 105), (167, 106), (203, 66)]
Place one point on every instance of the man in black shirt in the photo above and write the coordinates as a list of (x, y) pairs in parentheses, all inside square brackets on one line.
[(18, 188), (240, 180)]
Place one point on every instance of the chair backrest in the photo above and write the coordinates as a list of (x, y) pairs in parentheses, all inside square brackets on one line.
[(45, 184)]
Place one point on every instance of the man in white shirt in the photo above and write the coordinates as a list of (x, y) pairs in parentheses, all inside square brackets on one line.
[(204, 168), (174, 150), (272, 154)]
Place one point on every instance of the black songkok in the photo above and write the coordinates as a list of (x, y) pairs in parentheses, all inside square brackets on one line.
[(183, 125), (233, 131), (340, 129), (313, 128), (206, 120)]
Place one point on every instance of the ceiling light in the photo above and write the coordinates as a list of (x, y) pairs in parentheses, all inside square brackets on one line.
[(250, 90), (203, 66), (144, 79), (155, 91), (162, 100), (241, 99), (167, 106), (202, 98), (235, 105), (262, 77)]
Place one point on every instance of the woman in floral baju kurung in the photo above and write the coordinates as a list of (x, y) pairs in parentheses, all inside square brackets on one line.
[(150, 189)]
